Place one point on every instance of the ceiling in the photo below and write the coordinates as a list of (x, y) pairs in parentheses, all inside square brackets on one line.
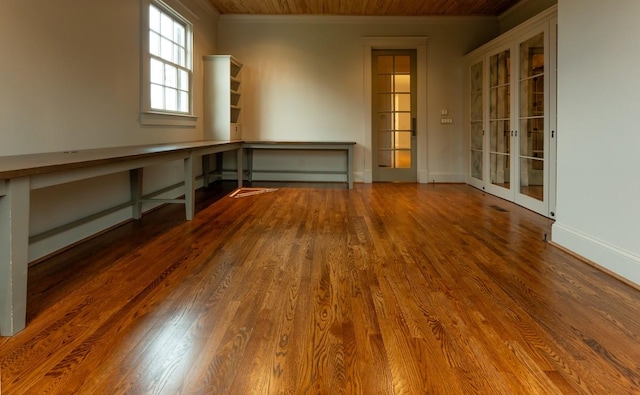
[(365, 7)]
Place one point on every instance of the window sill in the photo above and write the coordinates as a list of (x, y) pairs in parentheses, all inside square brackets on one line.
[(166, 119)]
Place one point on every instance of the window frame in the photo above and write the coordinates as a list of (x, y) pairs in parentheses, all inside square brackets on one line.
[(156, 117)]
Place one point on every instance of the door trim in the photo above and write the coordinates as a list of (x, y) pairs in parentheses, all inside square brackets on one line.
[(420, 45)]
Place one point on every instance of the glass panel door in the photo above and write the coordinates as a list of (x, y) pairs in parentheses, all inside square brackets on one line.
[(533, 135), (476, 120), (394, 109), (500, 132), (531, 117)]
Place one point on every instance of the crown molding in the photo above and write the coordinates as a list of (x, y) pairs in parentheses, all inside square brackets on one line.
[(350, 19)]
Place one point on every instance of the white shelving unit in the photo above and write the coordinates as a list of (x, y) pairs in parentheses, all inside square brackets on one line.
[(222, 97)]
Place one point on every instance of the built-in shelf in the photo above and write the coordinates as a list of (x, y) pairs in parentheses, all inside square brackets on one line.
[(222, 97)]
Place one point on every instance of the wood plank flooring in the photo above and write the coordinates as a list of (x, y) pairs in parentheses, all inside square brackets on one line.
[(383, 289)]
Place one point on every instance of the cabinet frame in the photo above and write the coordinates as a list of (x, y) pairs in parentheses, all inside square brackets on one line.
[(546, 23)]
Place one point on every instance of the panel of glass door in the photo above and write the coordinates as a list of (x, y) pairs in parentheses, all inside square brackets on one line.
[(531, 117), (499, 119), (477, 132), (394, 111)]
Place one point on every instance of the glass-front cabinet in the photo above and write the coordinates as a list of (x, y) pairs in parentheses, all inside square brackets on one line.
[(511, 115)]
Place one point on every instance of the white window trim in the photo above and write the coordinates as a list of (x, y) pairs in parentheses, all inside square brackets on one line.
[(149, 116)]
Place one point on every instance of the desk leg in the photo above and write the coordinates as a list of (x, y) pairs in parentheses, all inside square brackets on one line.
[(135, 181), (189, 188), (240, 167), (250, 164), (219, 163), (350, 167), (206, 169), (14, 256)]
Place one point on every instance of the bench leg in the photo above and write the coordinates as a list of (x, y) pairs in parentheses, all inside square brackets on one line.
[(189, 188), (14, 256)]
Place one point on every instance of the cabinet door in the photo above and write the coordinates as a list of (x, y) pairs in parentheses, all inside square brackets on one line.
[(532, 140), (501, 170), (476, 124)]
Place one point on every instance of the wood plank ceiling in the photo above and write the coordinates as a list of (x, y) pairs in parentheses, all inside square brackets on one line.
[(365, 7)]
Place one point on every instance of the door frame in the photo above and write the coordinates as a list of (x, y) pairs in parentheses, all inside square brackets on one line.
[(420, 45)]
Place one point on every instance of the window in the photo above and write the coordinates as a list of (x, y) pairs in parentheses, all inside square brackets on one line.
[(167, 67)]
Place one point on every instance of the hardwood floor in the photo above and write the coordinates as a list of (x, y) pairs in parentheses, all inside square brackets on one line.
[(383, 289)]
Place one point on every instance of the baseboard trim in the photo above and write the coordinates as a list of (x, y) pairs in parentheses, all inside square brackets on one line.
[(616, 262)]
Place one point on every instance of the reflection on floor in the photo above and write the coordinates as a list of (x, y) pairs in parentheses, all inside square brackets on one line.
[(534, 191)]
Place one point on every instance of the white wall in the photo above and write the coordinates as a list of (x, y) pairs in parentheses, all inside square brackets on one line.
[(303, 78), (69, 79), (598, 201)]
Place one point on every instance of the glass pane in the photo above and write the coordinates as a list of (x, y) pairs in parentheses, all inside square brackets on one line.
[(154, 43), (403, 64), (500, 69), (499, 170), (166, 26), (403, 121), (184, 80), (385, 140), (499, 102), (532, 178), (182, 57), (476, 77), (384, 158), (385, 64), (403, 140), (385, 102), (171, 99), (156, 72), (403, 102), (532, 137), (476, 164), (385, 83), (166, 49), (179, 34), (157, 97), (476, 106), (476, 136), (403, 83), (403, 159), (184, 102), (154, 18), (170, 76), (532, 56), (385, 122), (499, 136), (532, 97)]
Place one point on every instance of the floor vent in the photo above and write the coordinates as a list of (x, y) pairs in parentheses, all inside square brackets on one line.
[(498, 208)]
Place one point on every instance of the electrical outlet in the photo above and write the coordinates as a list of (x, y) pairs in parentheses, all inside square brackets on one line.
[(301, 161)]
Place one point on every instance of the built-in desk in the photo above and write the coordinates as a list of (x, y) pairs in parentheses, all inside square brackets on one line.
[(346, 147), (22, 173)]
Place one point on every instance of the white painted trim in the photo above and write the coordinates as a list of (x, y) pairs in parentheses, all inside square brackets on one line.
[(446, 177), (617, 260), (423, 176), (418, 43)]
